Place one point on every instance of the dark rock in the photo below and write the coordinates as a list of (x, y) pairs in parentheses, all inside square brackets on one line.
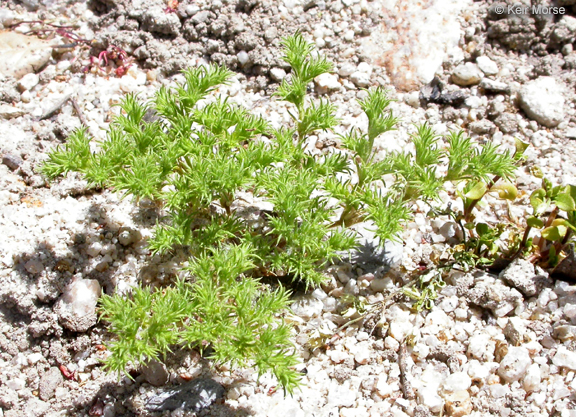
[(567, 268), (453, 98), (433, 93), (194, 395), (12, 161)]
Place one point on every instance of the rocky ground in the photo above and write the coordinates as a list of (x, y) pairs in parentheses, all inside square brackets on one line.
[(491, 346)]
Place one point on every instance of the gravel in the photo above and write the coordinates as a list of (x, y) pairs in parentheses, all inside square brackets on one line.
[(491, 345)]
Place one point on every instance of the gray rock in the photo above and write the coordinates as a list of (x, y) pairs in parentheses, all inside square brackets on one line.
[(307, 306), (270, 34), (12, 161), (194, 395), (201, 17), (507, 123), (493, 86), (51, 380), (128, 236), (467, 74), (521, 275), (155, 373), (34, 266), (542, 100), (515, 331), (567, 268), (565, 30), (157, 20), (482, 127), (491, 293), (564, 332)]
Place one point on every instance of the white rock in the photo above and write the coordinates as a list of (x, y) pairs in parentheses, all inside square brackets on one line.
[(565, 358), (438, 318), (128, 236), (360, 79), (477, 371), (456, 382), (327, 82), (379, 285), (481, 347), (542, 99), (16, 384), (346, 69), (191, 9), (420, 351), (307, 306), (6, 17), (383, 388), (515, 330), (391, 343), (429, 397), (467, 74), (34, 358), (94, 249), (81, 296), (494, 86), (427, 37), (28, 82), (532, 379), (365, 68), (362, 354), (277, 74), (487, 66), (337, 355), (515, 364), (22, 54), (243, 57), (449, 304), (341, 395), (10, 112)]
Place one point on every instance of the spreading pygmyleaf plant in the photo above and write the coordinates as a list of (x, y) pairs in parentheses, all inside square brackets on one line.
[(194, 154)]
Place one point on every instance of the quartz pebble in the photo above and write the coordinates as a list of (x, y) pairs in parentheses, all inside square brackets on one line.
[(515, 364), (76, 308), (565, 358)]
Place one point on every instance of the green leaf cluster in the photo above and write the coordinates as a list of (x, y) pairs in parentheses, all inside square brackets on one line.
[(193, 153)]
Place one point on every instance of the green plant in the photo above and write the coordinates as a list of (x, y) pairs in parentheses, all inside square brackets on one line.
[(195, 157), (191, 161), (554, 215)]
